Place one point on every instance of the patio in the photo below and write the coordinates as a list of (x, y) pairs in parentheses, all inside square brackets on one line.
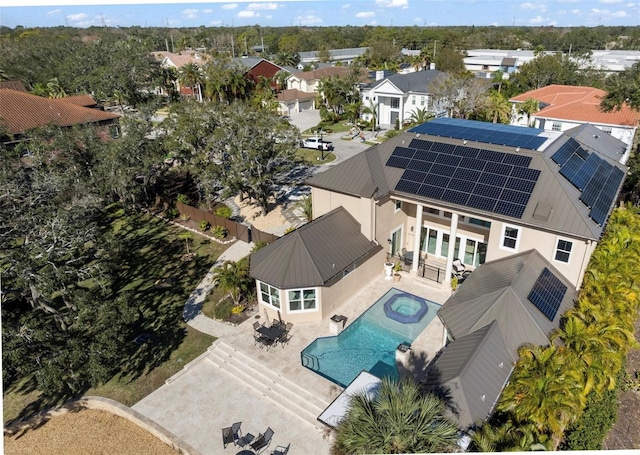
[(236, 380)]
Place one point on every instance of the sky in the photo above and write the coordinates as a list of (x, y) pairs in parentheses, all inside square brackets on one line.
[(162, 13)]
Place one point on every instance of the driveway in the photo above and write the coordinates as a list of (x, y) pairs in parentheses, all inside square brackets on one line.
[(305, 120)]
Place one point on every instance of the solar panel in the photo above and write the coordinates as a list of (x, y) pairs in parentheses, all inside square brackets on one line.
[(593, 187), (419, 165), (414, 176), (397, 161), (482, 203), (407, 187), (492, 133), (570, 168), (585, 173), (517, 160), (547, 294), (565, 151), (603, 204), (509, 209)]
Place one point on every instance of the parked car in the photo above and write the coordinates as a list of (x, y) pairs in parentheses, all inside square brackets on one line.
[(317, 143)]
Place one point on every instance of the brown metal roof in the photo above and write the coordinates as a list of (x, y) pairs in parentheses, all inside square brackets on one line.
[(498, 291), (471, 373), (13, 85), (360, 175), (21, 111), (508, 61), (295, 94), (312, 254)]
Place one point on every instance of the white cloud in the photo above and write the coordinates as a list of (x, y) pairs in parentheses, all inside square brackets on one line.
[(53, 12), (373, 23), (577, 12), (611, 1), (346, 6), (230, 6), (77, 17), (207, 11), (533, 6), (216, 23), (190, 13), (536, 20), (262, 6), (309, 19), (365, 14), (392, 3), (247, 14), (619, 14)]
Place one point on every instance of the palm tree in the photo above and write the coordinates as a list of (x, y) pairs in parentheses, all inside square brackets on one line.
[(499, 108), (399, 419), (420, 115), (237, 84), (54, 89), (528, 108), (187, 236), (281, 79), (191, 76), (233, 278), (372, 110)]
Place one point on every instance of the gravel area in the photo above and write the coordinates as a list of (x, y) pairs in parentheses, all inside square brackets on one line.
[(86, 432), (274, 222)]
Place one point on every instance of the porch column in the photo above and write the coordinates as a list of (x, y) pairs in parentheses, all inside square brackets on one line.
[(452, 247), (417, 230)]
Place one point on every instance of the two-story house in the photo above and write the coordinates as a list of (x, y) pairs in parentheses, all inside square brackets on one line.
[(447, 189), (399, 96)]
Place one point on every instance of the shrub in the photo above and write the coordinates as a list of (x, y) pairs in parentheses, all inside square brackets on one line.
[(257, 245), (183, 199), (171, 213), (391, 133), (223, 309), (397, 125), (204, 225), (184, 217), (237, 309), (219, 232), (224, 211), (289, 229)]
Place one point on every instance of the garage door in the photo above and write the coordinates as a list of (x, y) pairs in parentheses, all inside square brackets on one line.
[(305, 105)]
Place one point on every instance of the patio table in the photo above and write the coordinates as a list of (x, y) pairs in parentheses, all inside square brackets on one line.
[(272, 333)]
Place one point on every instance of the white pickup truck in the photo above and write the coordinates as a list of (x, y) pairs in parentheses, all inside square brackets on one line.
[(317, 143)]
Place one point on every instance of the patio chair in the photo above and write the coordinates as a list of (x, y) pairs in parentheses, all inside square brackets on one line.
[(262, 441), (288, 327), (281, 450), (458, 268), (256, 325), (230, 435)]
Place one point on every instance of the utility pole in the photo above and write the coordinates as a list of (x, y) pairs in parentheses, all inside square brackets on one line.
[(233, 52), (166, 43), (434, 48)]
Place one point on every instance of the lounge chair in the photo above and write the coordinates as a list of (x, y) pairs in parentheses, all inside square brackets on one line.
[(281, 450), (262, 441), (231, 434)]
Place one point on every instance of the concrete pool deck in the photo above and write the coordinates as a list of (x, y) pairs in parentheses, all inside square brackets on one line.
[(237, 381)]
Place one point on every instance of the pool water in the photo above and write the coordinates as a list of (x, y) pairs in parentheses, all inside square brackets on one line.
[(405, 307), (369, 343)]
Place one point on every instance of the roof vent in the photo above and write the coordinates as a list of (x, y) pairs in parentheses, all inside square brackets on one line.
[(501, 364), (483, 397), (542, 211)]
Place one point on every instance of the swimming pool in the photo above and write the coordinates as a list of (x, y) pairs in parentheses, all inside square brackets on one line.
[(368, 343)]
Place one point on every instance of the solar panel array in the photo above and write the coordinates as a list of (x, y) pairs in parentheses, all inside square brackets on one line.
[(490, 133), (483, 179), (594, 177), (547, 293)]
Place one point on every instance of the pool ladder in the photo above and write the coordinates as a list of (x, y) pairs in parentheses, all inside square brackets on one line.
[(310, 361)]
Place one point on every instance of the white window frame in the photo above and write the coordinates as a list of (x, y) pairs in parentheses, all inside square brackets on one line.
[(558, 250), (302, 309), (556, 126), (269, 288), (422, 101), (392, 103), (503, 237), (397, 206)]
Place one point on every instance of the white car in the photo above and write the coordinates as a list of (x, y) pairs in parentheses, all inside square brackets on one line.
[(316, 143)]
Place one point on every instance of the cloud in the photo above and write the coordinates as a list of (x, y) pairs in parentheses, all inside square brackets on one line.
[(54, 11), (533, 6), (190, 13), (393, 3), (262, 6), (362, 14), (207, 11), (230, 6), (346, 6), (611, 1), (247, 14), (619, 14), (309, 19), (536, 20), (216, 23), (77, 17)]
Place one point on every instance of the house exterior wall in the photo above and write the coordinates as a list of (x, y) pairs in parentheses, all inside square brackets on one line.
[(361, 209), (385, 94), (617, 131), (265, 69)]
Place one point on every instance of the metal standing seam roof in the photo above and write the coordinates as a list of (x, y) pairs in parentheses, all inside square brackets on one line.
[(312, 254), (498, 291), (471, 373), (568, 216)]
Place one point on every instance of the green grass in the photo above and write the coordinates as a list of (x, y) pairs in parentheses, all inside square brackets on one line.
[(312, 156), (339, 127), (157, 278)]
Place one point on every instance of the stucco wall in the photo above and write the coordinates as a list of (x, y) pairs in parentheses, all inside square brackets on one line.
[(360, 208)]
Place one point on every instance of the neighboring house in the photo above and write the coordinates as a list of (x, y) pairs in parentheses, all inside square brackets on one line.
[(399, 96), (484, 62), (451, 189), (307, 81), (563, 107), (21, 111), (304, 275), (503, 305), (260, 67), (294, 101), (177, 61), (345, 56)]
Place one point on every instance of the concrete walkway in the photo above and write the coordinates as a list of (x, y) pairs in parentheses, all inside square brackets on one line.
[(192, 312)]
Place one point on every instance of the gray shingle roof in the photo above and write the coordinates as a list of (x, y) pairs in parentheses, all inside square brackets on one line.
[(472, 372), (418, 81), (312, 254), (498, 291)]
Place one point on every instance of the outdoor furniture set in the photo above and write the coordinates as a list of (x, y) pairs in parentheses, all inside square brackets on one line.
[(256, 445), (278, 332)]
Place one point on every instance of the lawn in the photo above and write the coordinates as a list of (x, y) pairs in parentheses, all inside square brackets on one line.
[(157, 277), (340, 127), (312, 156)]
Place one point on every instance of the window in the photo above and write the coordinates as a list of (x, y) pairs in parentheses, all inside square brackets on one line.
[(606, 130), (395, 103), (114, 131), (398, 206), (432, 210), (270, 295), (556, 126), (478, 222), (301, 299), (413, 100), (510, 237), (422, 101), (348, 270), (563, 250)]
